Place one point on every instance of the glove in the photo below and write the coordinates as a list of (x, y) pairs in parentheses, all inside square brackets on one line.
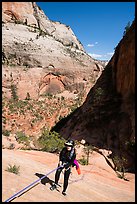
[(66, 166), (60, 164)]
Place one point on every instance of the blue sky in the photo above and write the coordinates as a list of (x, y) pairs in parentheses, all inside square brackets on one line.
[(99, 26)]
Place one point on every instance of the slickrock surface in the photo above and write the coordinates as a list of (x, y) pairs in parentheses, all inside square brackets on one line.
[(97, 182)]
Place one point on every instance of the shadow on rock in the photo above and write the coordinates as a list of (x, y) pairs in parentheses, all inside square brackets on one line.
[(45, 179)]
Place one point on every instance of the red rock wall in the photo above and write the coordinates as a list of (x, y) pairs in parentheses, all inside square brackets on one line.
[(123, 64), (107, 117), (22, 11)]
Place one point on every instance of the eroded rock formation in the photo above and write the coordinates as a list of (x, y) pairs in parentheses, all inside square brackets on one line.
[(34, 45), (46, 72)]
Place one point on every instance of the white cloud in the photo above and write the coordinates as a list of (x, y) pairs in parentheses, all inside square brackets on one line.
[(95, 55), (106, 56), (110, 53), (90, 45)]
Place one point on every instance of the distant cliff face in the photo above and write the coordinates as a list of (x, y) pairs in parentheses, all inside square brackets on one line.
[(30, 40), (18, 11), (107, 117), (28, 13), (45, 68)]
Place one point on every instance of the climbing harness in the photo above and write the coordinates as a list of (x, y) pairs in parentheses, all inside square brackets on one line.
[(31, 185)]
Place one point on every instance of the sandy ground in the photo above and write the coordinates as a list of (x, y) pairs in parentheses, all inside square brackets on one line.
[(96, 183)]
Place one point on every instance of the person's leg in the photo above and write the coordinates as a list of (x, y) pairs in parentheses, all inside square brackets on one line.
[(57, 175), (66, 177)]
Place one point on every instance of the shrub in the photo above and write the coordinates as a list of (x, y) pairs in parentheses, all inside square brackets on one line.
[(51, 141), (62, 98), (12, 146), (130, 145), (27, 96), (49, 95), (13, 169), (3, 119), (98, 94), (88, 149), (83, 160), (22, 138), (14, 92), (127, 28), (6, 132)]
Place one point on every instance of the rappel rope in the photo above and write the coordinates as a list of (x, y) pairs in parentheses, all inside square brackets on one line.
[(30, 186)]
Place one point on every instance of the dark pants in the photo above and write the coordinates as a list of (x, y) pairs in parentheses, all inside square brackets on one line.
[(66, 177)]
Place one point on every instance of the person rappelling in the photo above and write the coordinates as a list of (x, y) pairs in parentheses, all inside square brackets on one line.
[(67, 158)]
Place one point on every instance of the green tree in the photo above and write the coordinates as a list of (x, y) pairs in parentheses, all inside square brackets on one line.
[(88, 149), (27, 96), (51, 141), (14, 92)]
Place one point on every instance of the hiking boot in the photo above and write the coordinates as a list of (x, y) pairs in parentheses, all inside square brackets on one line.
[(54, 186), (64, 193)]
